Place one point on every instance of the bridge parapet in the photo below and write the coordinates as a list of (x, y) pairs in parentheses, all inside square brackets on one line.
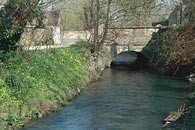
[(124, 39)]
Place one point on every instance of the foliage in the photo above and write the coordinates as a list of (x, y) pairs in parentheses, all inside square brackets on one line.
[(36, 42), (171, 50), (14, 17), (29, 78), (31, 113), (189, 12), (14, 120)]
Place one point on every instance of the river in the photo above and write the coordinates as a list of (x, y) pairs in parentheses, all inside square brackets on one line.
[(120, 100)]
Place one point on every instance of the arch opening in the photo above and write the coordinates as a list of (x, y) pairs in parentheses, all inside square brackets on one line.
[(131, 60)]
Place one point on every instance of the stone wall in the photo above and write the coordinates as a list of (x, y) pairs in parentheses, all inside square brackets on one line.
[(37, 36), (49, 35), (76, 35), (132, 39), (96, 66)]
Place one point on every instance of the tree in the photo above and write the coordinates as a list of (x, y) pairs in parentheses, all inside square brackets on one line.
[(104, 14), (72, 15), (14, 16), (97, 16), (132, 12)]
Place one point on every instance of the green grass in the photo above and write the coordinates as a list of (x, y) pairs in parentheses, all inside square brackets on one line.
[(30, 78)]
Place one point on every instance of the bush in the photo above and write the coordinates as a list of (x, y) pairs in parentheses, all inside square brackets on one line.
[(14, 17), (172, 50)]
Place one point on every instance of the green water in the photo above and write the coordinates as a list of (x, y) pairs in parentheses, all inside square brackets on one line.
[(120, 100)]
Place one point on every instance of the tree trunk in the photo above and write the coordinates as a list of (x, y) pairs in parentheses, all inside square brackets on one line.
[(96, 26), (106, 23)]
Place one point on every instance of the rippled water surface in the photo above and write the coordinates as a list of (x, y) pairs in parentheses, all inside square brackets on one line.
[(121, 100)]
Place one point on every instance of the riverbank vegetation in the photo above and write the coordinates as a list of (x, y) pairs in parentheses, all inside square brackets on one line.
[(32, 82), (171, 51)]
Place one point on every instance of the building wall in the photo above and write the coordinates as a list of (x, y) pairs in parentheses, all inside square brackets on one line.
[(51, 34)]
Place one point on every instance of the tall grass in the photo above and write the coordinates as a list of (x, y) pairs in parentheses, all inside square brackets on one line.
[(28, 78)]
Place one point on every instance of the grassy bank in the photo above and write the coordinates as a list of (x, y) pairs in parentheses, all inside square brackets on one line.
[(33, 82)]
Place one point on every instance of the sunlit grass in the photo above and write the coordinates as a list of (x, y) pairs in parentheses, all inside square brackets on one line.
[(29, 78)]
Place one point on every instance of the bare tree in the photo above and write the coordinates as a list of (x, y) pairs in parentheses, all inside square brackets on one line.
[(103, 14)]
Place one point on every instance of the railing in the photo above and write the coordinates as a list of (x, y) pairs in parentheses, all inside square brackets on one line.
[(140, 27)]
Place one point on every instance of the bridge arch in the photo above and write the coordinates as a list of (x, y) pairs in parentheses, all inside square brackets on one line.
[(133, 39), (128, 39), (130, 59)]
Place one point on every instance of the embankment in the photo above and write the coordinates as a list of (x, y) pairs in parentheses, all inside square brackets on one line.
[(36, 83), (171, 51)]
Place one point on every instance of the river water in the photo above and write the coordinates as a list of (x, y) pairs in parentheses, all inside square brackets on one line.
[(120, 100)]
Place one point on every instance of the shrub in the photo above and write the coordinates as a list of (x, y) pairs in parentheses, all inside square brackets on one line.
[(171, 50), (14, 17)]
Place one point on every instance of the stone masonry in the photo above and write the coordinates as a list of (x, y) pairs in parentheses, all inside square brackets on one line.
[(129, 39)]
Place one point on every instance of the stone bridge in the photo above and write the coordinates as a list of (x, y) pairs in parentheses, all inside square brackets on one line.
[(128, 39)]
